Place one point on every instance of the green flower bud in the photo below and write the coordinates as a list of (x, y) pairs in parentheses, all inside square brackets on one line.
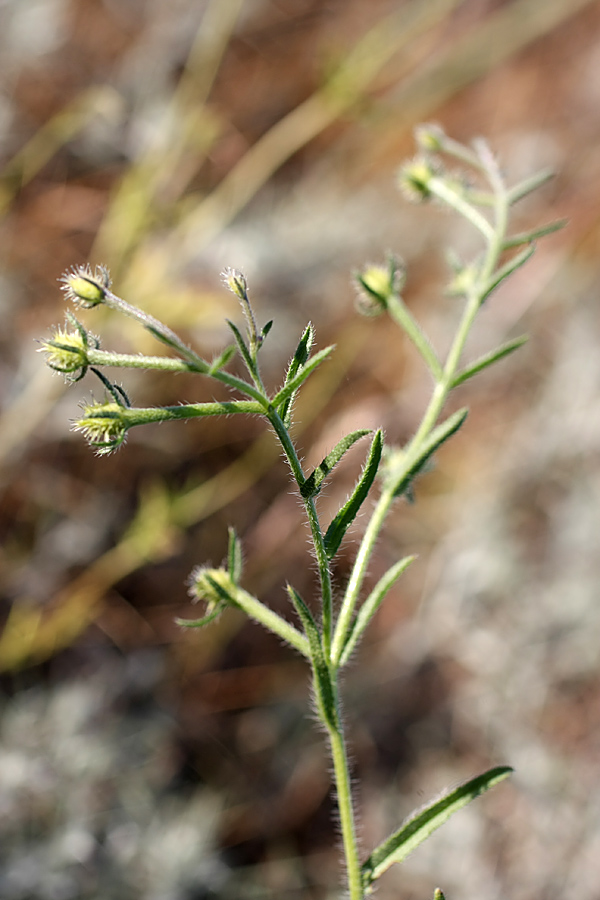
[(236, 282), (67, 352), (104, 425), (414, 178), (430, 138), (376, 283), (84, 287), (213, 587)]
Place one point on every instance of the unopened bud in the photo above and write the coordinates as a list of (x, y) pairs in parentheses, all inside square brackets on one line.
[(430, 138), (104, 425), (236, 282), (415, 177), (376, 284), (66, 352), (84, 287)]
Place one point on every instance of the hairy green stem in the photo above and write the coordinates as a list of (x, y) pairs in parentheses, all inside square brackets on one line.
[(168, 337), (495, 237), (256, 610), (132, 416), (315, 527), (346, 811)]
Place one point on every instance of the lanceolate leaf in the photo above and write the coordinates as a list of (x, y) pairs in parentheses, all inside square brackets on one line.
[(298, 360), (222, 359), (241, 345), (294, 383), (420, 825), (266, 329), (349, 510), (511, 266), (234, 557), (371, 605), (484, 361), (313, 483), (322, 677), (526, 237), (437, 437), (205, 620), (528, 185)]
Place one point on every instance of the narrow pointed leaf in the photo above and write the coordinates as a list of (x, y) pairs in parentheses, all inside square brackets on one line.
[(504, 271), (234, 557), (288, 390), (242, 347), (266, 329), (419, 826), (221, 361), (526, 237), (324, 692), (401, 314), (435, 440), (484, 361), (309, 625), (349, 511), (313, 483), (205, 620), (298, 360), (371, 605), (529, 184)]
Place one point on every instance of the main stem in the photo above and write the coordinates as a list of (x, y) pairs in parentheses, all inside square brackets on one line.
[(315, 527), (334, 729), (344, 800)]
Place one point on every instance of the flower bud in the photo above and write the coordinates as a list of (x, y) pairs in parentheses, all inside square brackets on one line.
[(414, 178), (84, 287), (213, 586), (376, 284), (104, 425), (430, 138), (66, 352), (236, 282)]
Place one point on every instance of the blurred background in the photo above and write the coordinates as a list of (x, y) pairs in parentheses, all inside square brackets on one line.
[(168, 141)]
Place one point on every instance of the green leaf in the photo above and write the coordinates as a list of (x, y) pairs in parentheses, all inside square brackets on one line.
[(292, 385), (221, 361), (349, 510), (244, 351), (484, 361), (298, 360), (435, 440), (325, 695), (313, 483), (504, 271), (421, 824), (234, 556), (266, 329), (400, 313), (526, 237), (371, 605), (309, 625), (205, 620), (528, 185)]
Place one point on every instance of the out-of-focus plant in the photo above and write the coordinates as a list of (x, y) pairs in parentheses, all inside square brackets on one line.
[(329, 627)]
